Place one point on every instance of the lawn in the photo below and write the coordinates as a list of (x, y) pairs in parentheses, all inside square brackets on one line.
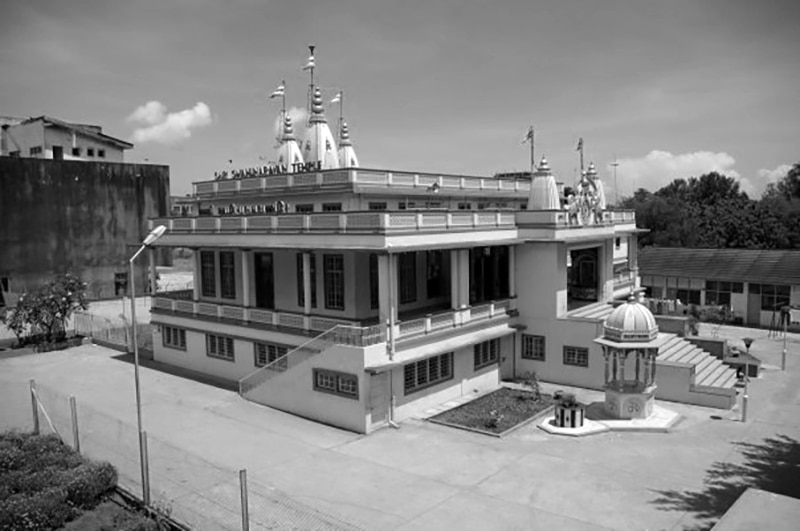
[(498, 411), (44, 484)]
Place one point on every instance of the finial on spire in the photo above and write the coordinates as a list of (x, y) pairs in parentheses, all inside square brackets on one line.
[(288, 129), (544, 167), (345, 136), (591, 171)]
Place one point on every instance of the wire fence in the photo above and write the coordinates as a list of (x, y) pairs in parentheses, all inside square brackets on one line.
[(112, 332), (186, 487)]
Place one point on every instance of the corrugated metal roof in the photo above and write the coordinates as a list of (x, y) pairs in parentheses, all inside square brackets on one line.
[(738, 265)]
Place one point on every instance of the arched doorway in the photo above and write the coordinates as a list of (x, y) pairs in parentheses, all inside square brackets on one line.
[(583, 277)]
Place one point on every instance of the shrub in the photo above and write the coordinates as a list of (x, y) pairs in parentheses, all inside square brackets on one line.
[(531, 380), (87, 483)]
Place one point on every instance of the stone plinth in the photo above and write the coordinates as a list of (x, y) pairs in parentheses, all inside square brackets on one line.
[(630, 405)]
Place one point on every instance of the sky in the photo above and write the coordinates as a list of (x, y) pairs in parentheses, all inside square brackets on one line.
[(668, 89)]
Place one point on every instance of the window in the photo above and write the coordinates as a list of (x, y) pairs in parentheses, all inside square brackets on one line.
[(76, 152), (267, 353), (14, 154), (227, 273), (617, 243), (377, 206), (333, 271), (173, 337), (219, 347), (101, 153), (336, 383), (90, 152), (407, 279), (773, 296), (36, 150), (331, 207), (465, 206), (434, 272), (374, 288), (577, 356), (486, 353), (301, 287), (688, 296), (718, 293), (533, 347), (305, 208), (208, 274), (405, 205), (425, 373)]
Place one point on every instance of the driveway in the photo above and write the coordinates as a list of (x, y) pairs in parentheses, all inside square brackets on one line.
[(421, 476)]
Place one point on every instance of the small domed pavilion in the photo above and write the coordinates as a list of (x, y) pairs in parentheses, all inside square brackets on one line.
[(630, 345)]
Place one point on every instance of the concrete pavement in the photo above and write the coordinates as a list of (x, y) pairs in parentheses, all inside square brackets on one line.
[(425, 476)]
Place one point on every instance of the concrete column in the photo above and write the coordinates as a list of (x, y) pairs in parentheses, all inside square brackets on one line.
[(512, 271), (605, 357), (247, 261), (197, 279), (151, 254), (307, 283), (463, 278), (454, 282), (384, 289), (638, 355)]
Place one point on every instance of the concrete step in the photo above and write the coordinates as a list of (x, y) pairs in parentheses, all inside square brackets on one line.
[(707, 377), (723, 377), (672, 345), (688, 354), (704, 363), (679, 350), (696, 356), (729, 381)]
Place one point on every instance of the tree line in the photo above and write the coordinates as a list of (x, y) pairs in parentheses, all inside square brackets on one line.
[(711, 211)]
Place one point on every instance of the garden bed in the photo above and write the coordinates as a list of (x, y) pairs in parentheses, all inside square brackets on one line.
[(498, 412)]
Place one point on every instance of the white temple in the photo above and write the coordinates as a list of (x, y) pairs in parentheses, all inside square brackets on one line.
[(544, 192), (319, 145), (347, 155), (288, 150)]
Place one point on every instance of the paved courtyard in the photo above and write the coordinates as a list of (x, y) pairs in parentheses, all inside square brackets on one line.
[(426, 476)]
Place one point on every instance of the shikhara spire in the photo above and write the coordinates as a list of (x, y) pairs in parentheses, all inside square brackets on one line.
[(544, 192), (347, 155), (288, 151)]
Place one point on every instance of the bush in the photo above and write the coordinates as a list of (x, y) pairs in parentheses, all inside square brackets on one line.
[(87, 483)]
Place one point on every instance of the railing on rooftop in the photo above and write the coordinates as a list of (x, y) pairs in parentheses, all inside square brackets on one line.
[(366, 177), (347, 222), (562, 218), (454, 318)]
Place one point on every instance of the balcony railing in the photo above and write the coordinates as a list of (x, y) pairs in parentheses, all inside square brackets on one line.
[(351, 333), (455, 318), (561, 218), (345, 222), (382, 178)]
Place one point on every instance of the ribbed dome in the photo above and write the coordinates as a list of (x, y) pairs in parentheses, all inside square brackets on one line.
[(631, 322)]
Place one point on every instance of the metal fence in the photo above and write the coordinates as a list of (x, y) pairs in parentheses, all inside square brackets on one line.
[(112, 332), (186, 487)]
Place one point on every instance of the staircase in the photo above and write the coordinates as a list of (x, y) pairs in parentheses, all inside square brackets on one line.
[(709, 381)]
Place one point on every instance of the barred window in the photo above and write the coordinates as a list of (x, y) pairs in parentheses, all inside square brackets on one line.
[(219, 347), (486, 353), (577, 356), (428, 372), (773, 296), (173, 337), (379, 205), (533, 347), (269, 353), (333, 271), (304, 208), (227, 272), (208, 274), (331, 207), (336, 383)]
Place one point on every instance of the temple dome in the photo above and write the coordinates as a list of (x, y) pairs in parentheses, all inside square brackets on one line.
[(544, 191), (631, 322)]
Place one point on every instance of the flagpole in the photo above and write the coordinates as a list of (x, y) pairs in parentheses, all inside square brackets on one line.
[(533, 154), (283, 101)]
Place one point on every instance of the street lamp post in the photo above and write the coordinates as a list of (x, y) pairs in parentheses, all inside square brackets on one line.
[(152, 237), (747, 342)]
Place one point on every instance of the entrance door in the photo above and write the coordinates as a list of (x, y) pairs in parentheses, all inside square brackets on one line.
[(379, 399), (753, 308), (507, 351), (58, 153), (265, 280)]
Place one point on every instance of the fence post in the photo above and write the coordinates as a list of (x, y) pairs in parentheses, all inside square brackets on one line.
[(243, 493), (75, 437), (35, 408), (145, 464)]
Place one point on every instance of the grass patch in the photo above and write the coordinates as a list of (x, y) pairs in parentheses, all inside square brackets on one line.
[(45, 484), (498, 411)]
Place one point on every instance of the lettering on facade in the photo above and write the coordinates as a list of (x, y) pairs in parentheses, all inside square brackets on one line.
[(268, 170), (236, 209)]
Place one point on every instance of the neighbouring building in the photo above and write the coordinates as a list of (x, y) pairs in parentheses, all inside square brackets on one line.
[(358, 297), (86, 218), (753, 284), (44, 137)]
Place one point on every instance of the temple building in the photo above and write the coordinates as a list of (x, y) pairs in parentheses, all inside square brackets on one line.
[(368, 296)]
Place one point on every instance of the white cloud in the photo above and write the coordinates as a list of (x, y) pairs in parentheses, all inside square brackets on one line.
[(298, 116), (168, 128), (772, 176), (659, 168)]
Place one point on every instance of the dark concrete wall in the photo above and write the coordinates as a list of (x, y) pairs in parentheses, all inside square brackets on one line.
[(86, 218)]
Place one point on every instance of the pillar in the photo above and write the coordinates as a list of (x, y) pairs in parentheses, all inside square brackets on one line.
[(614, 364), (384, 289), (151, 254), (605, 357), (455, 284), (247, 260), (307, 283), (463, 278), (638, 355), (512, 271), (196, 275), (651, 357)]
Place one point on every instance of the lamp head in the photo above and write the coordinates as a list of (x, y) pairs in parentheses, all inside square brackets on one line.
[(748, 341), (155, 234)]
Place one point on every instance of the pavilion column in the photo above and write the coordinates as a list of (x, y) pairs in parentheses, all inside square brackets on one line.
[(605, 356), (247, 260), (652, 369), (196, 275), (512, 271), (307, 283), (614, 363), (636, 375)]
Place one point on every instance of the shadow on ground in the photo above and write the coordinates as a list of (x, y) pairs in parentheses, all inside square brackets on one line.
[(146, 360), (772, 465)]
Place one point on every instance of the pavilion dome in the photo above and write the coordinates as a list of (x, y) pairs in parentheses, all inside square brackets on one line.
[(631, 322)]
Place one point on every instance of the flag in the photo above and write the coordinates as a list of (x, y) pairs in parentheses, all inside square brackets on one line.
[(528, 136), (337, 98), (279, 92), (310, 65), (580, 144)]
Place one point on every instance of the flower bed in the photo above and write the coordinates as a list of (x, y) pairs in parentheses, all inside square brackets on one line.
[(497, 412)]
